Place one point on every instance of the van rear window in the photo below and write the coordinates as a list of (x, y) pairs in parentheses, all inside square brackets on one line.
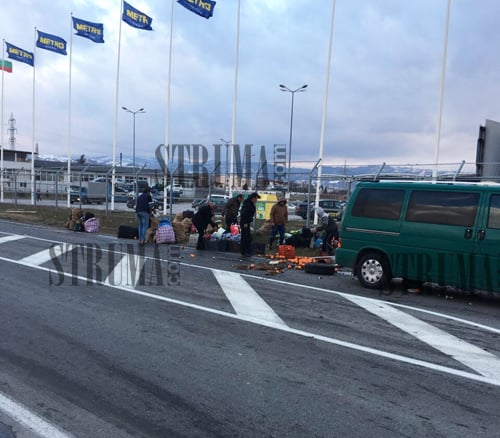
[(446, 208), (378, 204)]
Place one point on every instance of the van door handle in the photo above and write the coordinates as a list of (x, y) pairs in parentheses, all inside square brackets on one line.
[(468, 233), (481, 234)]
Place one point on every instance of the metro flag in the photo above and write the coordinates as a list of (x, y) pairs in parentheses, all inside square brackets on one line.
[(51, 42), (203, 8), (18, 54), (6, 66), (87, 29), (136, 18)]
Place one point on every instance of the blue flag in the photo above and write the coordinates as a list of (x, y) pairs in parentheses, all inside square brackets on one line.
[(20, 55), (203, 8), (136, 18), (87, 29), (51, 42)]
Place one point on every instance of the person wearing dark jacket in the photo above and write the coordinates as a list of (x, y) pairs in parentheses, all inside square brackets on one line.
[(330, 230), (142, 213), (201, 219), (230, 211), (247, 214)]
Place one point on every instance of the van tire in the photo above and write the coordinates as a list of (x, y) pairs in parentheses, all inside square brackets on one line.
[(373, 271), (319, 268)]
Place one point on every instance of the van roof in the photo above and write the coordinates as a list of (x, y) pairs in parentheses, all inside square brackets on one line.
[(434, 183)]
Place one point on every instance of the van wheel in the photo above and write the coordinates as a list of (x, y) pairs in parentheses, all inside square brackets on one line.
[(373, 271)]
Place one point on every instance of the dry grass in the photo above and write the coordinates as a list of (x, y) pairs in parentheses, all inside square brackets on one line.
[(57, 218), (50, 216)]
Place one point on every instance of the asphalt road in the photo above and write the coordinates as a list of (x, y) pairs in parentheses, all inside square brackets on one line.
[(99, 339)]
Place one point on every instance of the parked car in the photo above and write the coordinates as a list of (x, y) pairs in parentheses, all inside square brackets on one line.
[(198, 202), (177, 190), (292, 207), (219, 200), (332, 207)]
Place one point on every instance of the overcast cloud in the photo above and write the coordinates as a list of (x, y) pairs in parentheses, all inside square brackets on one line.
[(384, 81)]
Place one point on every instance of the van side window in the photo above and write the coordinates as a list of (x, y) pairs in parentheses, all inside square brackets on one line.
[(446, 208), (494, 213), (378, 204)]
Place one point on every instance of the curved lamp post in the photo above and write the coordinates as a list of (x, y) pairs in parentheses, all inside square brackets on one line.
[(139, 111), (286, 89), (226, 179)]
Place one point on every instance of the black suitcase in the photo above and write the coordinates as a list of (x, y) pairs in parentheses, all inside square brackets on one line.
[(128, 232)]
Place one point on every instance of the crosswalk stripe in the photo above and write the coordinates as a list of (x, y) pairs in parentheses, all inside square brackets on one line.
[(245, 301), (10, 238), (127, 271), (479, 360), (44, 256)]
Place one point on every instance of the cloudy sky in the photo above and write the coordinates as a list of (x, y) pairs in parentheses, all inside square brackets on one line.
[(383, 97)]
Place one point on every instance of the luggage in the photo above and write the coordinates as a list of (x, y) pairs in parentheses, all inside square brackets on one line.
[(128, 232), (165, 232), (91, 225)]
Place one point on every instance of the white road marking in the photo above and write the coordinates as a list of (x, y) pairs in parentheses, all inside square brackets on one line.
[(29, 419), (380, 353), (10, 238), (245, 301), (476, 358), (126, 272), (46, 255), (352, 346), (374, 300)]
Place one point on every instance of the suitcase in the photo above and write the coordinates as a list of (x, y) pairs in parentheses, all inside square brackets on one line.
[(128, 232)]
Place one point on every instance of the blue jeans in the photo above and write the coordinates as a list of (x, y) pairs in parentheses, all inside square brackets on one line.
[(143, 218), (277, 229)]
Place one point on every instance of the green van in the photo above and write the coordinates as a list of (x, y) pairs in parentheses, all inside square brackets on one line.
[(446, 233)]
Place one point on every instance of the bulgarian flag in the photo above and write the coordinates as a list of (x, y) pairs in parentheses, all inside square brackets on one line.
[(6, 65)]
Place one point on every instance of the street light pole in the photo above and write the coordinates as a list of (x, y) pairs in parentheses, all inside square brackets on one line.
[(226, 179), (286, 89), (139, 111)]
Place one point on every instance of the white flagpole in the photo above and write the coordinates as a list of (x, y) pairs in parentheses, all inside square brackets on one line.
[(325, 108), (441, 91), (235, 101), (167, 121), (69, 109), (33, 129), (115, 139), (2, 128)]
